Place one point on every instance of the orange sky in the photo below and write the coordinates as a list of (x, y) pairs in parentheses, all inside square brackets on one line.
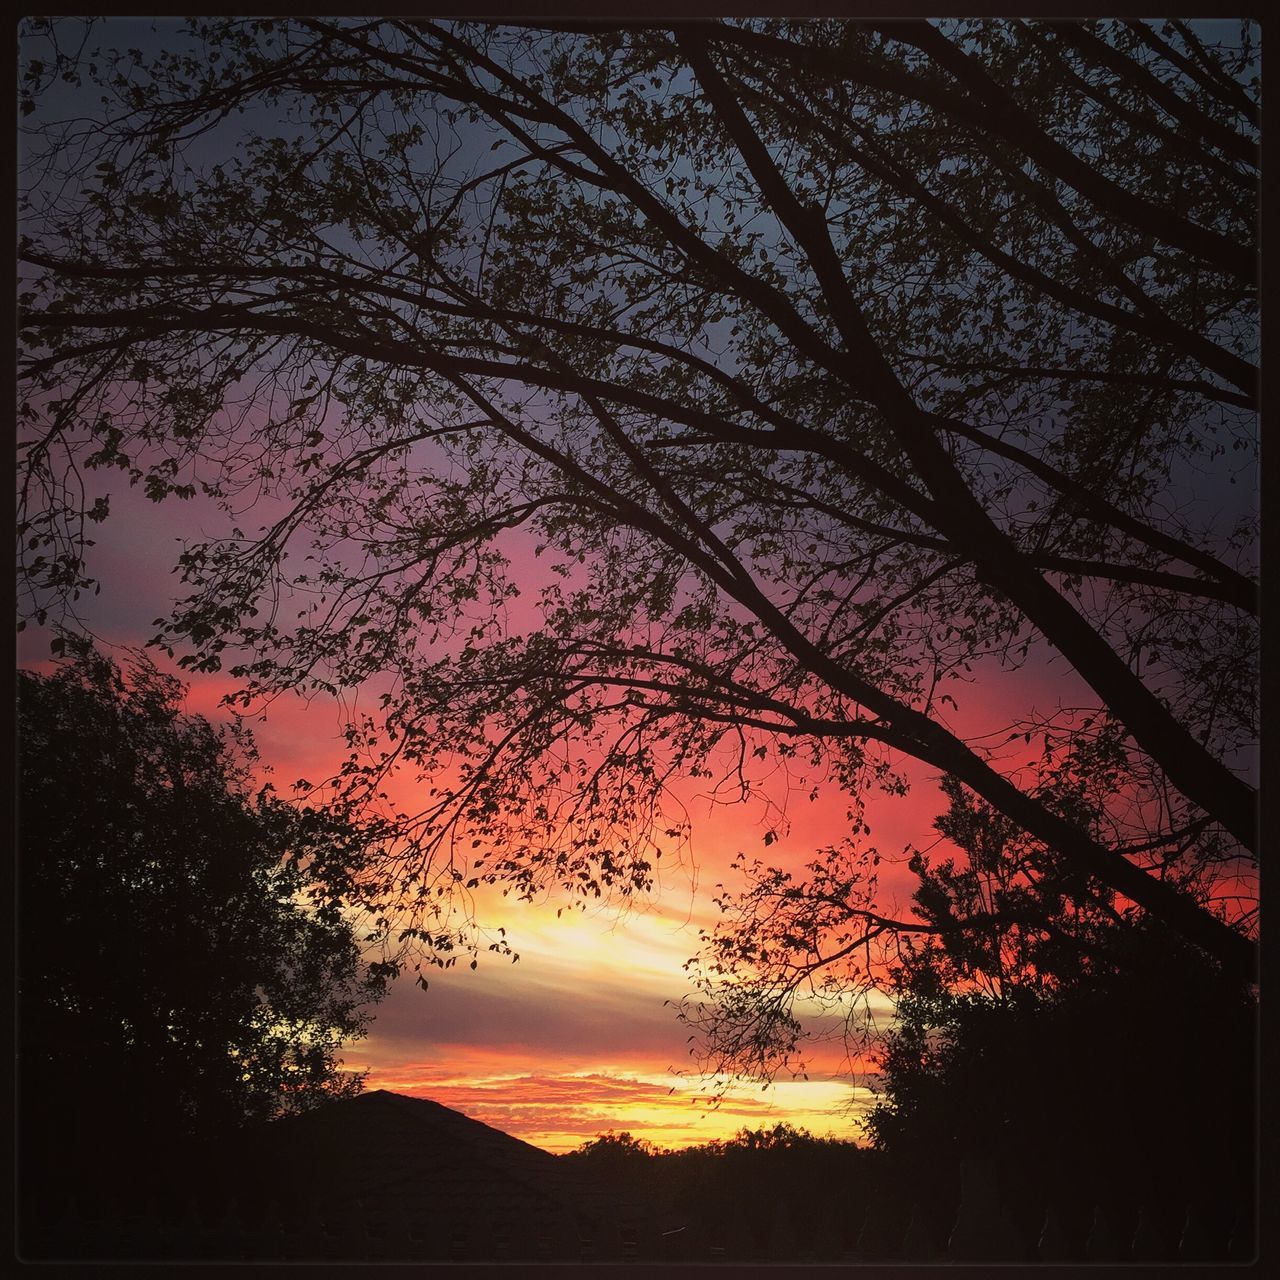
[(575, 1039)]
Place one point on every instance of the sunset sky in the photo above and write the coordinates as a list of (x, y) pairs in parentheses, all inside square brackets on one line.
[(576, 1038), (580, 1036)]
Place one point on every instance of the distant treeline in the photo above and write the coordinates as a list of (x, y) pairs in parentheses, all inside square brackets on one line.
[(774, 1192), (782, 1194)]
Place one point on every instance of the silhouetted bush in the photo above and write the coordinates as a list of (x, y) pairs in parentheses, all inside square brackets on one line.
[(182, 969)]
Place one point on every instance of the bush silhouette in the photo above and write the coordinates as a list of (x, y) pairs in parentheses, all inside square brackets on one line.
[(180, 971)]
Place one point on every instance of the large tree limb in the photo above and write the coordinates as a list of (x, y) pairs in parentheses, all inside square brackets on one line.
[(1189, 766)]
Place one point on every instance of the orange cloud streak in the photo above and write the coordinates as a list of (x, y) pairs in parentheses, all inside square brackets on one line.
[(558, 1110), (577, 1038)]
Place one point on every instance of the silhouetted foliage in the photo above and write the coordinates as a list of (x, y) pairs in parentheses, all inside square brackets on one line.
[(637, 404), (829, 368), (1117, 1071), (1130, 1090), (185, 967), (609, 1149), (775, 1192)]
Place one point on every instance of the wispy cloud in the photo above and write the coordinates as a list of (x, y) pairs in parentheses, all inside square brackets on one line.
[(559, 1109)]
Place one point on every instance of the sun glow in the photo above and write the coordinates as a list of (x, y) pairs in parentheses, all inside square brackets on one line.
[(559, 1110), (581, 1036)]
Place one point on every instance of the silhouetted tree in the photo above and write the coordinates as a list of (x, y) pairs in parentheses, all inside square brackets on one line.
[(824, 367), (748, 1195), (614, 1148), (1115, 1068), (184, 965), (1038, 1022), (1133, 1088)]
